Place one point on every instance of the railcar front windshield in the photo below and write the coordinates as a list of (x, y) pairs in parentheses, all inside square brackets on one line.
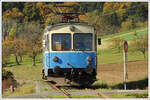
[(61, 42), (82, 42)]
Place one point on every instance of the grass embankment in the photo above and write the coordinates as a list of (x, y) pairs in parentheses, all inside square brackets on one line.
[(129, 95), (25, 74), (109, 56), (25, 71), (26, 88)]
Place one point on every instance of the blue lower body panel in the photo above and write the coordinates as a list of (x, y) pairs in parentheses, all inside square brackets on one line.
[(68, 60)]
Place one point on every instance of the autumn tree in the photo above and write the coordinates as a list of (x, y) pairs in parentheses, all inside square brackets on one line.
[(10, 21), (5, 52), (15, 46), (117, 43), (44, 10), (6, 27), (10, 5), (32, 33), (30, 10), (13, 14), (18, 48), (141, 44)]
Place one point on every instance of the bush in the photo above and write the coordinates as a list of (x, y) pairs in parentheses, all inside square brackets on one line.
[(126, 26), (6, 74), (141, 44), (117, 43), (100, 84), (141, 24)]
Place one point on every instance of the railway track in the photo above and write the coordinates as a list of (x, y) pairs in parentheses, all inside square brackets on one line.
[(58, 89), (68, 95)]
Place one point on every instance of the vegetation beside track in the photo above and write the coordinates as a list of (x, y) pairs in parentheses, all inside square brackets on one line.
[(25, 74), (130, 95), (26, 88)]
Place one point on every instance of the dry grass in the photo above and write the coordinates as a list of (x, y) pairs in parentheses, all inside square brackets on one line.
[(113, 73), (24, 89)]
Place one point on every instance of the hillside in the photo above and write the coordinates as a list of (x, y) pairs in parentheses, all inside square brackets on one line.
[(108, 54), (127, 35)]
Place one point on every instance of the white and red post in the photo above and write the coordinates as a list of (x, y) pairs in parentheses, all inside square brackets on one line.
[(125, 62)]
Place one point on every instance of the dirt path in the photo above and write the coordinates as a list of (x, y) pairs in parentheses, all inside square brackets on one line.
[(113, 73)]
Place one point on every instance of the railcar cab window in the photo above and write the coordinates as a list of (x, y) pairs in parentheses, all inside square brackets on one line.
[(82, 42), (61, 42)]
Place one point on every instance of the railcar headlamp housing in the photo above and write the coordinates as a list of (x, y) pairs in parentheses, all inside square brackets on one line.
[(55, 59), (72, 28), (89, 58)]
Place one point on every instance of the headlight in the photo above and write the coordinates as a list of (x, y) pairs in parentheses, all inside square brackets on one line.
[(89, 58), (55, 59)]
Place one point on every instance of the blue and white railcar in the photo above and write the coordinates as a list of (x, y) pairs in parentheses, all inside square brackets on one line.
[(69, 53)]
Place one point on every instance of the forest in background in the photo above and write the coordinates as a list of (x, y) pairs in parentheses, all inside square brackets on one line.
[(108, 17), (23, 22)]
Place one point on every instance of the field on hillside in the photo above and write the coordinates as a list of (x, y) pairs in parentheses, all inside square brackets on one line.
[(107, 54), (110, 60), (127, 35), (25, 71)]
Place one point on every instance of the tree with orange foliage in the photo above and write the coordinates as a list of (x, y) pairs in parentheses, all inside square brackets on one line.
[(14, 14), (5, 52), (19, 48), (15, 46)]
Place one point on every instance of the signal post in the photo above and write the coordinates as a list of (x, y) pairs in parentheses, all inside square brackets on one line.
[(125, 62)]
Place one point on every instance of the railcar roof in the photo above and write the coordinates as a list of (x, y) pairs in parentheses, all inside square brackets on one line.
[(62, 23), (66, 23)]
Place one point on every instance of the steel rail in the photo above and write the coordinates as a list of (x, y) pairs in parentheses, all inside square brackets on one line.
[(62, 90)]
